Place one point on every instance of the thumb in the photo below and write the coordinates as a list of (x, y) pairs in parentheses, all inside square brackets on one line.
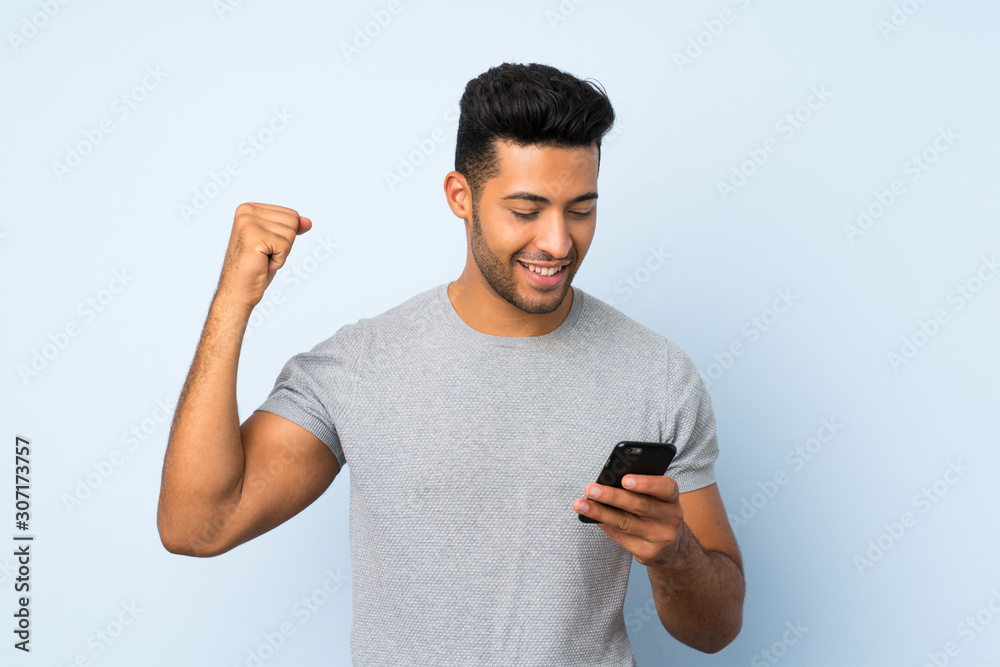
[(305, 224)]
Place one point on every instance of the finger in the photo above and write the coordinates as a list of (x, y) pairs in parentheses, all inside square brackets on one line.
[(271, 217), (277, 247), (638, 504), (659, 486), (608, 516), (284, 219), (305, 224), (281, 229), (589, 508), (260, 208)]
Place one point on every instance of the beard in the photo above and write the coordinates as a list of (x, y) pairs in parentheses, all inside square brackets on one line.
[(503, 279)]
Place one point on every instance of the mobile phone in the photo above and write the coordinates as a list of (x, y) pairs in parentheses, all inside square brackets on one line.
[(638, 458)]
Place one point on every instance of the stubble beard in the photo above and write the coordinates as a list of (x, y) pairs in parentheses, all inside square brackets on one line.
[(502, 279)]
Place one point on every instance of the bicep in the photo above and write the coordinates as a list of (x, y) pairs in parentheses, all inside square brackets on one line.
[(286, 468), (706, 517)]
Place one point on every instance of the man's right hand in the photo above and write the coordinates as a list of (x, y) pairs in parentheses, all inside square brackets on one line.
[(261, 239), (223, 483)]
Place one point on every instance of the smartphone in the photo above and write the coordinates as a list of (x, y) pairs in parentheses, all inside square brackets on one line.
[(639, 458)]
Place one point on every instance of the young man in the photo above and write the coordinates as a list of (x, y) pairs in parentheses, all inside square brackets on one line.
[(474, 417)]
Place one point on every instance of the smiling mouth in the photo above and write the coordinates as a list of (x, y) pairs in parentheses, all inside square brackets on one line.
[(543, 270)]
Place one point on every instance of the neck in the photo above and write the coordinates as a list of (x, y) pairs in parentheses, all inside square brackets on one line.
[(484, 310)]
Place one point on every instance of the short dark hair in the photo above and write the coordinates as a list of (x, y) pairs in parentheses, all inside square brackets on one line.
[(526, 104)]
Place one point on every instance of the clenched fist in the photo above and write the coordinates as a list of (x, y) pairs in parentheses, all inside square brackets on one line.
[(259, 245)]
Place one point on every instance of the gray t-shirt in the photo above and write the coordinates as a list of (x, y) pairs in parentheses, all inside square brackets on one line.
[(466, 451)]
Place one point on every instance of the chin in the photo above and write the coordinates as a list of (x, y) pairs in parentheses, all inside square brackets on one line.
[(543, 305)]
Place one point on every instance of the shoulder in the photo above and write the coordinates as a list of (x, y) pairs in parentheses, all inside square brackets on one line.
[(635, 347), (602, 321), (411, 317), (407, 320)]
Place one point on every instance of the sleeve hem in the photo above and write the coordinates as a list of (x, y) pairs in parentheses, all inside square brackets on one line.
[(692, 480), (291, 411)]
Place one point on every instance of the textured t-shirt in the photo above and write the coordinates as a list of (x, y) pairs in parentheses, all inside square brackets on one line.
[(466, 451)]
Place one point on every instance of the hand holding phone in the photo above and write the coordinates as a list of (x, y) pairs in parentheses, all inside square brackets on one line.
[(632, 457)]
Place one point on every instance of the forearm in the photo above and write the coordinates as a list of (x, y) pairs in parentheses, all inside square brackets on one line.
[(203, 465), (699, 595)]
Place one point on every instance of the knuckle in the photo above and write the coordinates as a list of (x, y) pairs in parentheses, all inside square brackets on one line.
[(244, 220)]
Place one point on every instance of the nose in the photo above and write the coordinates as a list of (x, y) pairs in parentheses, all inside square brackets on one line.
[(553, 236)]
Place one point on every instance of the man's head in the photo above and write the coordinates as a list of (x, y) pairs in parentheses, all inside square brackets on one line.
[(525, 179)]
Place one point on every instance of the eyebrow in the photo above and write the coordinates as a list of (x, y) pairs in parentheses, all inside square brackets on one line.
[(528, 196)]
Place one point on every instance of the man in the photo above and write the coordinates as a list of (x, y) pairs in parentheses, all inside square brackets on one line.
[(472, 416)]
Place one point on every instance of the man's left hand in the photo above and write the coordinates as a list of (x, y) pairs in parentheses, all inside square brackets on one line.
[(645, 517)]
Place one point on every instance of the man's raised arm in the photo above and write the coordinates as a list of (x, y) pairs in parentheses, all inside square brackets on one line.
[(220, 485)]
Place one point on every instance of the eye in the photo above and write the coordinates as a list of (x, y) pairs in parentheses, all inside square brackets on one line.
[(530, 216)]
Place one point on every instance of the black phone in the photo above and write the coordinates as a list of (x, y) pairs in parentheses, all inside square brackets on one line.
[(638, 458)]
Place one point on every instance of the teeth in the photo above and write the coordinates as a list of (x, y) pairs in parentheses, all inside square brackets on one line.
[(543, 271)]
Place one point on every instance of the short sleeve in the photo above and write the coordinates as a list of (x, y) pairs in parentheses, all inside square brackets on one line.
[(690, 423), (314, 388)]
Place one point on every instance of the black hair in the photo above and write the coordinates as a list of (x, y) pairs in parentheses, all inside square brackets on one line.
[(526, 104)]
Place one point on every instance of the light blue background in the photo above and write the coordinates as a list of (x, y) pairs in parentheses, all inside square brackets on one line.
[(682, 128)]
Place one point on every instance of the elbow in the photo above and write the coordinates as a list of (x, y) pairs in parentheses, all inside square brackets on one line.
[(185, 543), (723, 639), (718, 646), (177, 545), (730, 621)]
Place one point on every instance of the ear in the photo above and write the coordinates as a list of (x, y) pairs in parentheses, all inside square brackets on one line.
[(458, 195)]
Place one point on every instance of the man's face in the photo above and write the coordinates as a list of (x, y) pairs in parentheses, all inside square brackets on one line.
[(541, 212)]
